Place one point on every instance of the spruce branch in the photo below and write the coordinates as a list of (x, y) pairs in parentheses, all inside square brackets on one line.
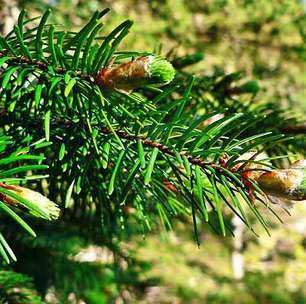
[(113, 148)]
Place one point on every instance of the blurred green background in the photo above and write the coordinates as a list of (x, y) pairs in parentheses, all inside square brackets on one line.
[(267, 41)]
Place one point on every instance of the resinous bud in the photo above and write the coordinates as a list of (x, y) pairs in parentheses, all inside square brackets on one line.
[(284, 183), (137, 73)]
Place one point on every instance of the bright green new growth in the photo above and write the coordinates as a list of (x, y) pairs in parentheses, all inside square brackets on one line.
[(120, 154), (160, 70), (43, 203)]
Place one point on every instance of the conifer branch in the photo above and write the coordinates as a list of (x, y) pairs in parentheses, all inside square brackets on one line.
[(77, 93), (6, 119), (41, 65)]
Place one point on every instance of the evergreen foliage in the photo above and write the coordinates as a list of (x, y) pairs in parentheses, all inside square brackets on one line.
[(17, 288), (121, 161)]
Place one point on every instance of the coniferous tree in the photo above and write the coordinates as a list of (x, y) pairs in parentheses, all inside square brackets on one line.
[(128, 144)]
